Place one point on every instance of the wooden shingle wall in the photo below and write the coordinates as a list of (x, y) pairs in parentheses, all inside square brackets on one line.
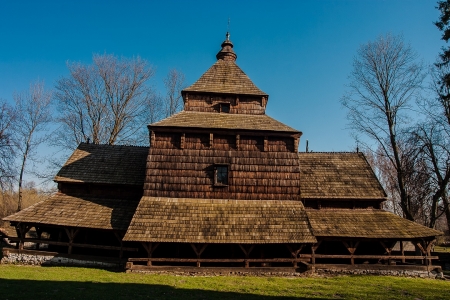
[(241, 104), (253, 173)]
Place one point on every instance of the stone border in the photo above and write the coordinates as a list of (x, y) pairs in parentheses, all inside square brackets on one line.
[(41, 258)]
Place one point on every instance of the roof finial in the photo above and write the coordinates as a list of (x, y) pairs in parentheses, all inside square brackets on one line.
[(227, 52), (228, 30)]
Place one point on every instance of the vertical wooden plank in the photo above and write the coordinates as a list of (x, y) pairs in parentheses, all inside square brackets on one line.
[(182, 140), (238, 141)]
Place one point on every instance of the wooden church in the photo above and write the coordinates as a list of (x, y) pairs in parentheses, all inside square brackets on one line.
[(221, 185)]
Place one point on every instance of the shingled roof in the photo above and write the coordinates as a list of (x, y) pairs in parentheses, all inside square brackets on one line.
[(365, 223), (338, 176), (85, 212), (91, 163), (186, 220), (194, 119), (225, 77)]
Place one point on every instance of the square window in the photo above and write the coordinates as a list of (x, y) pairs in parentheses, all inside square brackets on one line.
[(220, 175), (224, 107)]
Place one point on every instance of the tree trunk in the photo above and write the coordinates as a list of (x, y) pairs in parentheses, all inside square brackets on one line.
[(22, 170)]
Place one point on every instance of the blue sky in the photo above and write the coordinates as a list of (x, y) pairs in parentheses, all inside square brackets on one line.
[(299, 52)]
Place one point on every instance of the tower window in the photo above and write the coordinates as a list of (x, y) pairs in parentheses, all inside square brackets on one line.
[(224, 107), (220, 175)]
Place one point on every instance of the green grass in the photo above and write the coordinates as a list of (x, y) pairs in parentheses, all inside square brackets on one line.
[(23, 282)]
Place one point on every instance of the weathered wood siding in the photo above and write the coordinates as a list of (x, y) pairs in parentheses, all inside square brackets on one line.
[(254, 174), (238, 104)]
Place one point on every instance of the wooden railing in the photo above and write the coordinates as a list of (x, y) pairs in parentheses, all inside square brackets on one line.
[(303, 258), (67, 244)]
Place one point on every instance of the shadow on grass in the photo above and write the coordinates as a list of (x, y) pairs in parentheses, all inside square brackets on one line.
[(34, 289)]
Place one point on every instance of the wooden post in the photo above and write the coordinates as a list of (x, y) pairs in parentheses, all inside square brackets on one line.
[(313, 252), (119, 237), (422, 249), (39, 235), (402, 250), (198, 251), (246, 249), (266, 143), (295, 252), (388, 249), (150, 248), (351, 247), (71, 233), (238, 141), (21, 230), (211, 140)]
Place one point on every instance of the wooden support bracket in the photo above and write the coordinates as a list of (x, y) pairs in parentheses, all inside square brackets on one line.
[(388, 248), (71, 234), (150, 248), (39, 235), (119, 235), (22, 230), (247, 249), (198, 249), (351, 247), (294, 252)]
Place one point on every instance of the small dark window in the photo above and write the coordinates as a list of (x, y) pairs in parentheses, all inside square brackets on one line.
[(225, 107), (220, 175)]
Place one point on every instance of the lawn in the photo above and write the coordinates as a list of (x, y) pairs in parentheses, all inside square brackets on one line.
[(24, 282)]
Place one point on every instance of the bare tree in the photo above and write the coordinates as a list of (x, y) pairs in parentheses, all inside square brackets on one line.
[(174, 83), (105, 102), (385, 80), (432, 143), (30, 129), (7, 117)]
